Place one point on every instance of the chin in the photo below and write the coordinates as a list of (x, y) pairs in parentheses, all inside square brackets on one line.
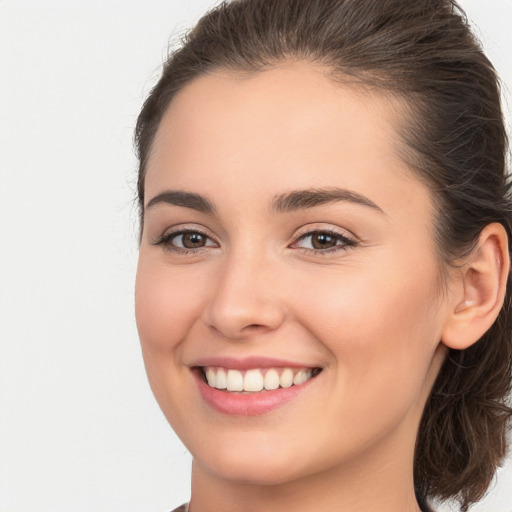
[(250, 470), (251, 459)]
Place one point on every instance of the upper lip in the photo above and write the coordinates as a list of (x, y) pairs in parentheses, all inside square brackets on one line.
[(247, 363)]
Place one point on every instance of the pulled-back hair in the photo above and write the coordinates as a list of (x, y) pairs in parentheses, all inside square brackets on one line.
[(423, 52)]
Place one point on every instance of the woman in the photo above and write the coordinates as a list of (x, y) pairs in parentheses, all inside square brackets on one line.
[(322, 285)]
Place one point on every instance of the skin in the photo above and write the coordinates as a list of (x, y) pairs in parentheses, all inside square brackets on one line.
[(371, 315)]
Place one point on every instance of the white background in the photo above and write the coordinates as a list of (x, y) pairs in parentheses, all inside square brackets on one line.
[(79, 429)]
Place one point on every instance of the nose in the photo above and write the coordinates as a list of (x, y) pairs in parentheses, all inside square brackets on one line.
[(245, 300)]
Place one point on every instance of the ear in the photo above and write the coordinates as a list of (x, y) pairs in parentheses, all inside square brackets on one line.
[(479, 289)]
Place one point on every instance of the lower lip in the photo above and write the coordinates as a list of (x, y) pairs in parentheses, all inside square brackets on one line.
[(248, 404)]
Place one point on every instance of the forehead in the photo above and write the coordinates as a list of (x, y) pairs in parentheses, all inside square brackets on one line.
[(290, 126)]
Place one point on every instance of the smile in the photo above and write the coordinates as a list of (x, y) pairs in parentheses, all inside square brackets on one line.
[(256, 379), (252, 390)]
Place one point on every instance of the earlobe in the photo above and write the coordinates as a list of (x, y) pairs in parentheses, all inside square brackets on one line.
[(482, 285)]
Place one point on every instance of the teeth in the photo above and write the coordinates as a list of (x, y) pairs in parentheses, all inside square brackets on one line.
[(256, 379), (253, 381), (271, 379), (286, 379), (300, 377), (235, 381), (221, 381), (210, 377)]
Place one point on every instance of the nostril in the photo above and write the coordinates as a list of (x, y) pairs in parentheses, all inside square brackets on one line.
[(236, 317)]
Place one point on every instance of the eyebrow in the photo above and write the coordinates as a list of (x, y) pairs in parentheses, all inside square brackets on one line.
[(283, 203), (309, 198), (185, 199)]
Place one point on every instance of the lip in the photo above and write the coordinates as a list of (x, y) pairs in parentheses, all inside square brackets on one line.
[(248, 363), (247, 404)]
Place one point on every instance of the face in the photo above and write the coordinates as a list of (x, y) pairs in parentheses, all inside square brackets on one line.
[(285, 241)]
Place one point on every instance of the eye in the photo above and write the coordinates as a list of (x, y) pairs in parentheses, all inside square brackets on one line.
[(322, 241), (184, 241), (191, 240)]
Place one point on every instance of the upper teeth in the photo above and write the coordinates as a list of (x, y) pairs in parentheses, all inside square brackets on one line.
[(255, 379)]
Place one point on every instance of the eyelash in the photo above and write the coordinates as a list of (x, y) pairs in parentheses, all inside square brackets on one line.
[(165, 241), (346, 242)]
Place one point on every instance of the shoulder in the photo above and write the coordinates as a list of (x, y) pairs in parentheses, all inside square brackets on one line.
[(183, 508)]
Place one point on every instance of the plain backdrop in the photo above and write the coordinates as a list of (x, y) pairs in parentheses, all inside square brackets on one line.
[(79, 428)]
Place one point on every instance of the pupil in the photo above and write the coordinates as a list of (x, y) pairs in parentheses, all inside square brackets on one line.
[(193, 240), (323, 241)]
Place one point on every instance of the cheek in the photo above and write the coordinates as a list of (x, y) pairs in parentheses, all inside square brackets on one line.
[(166, 305), (381, 328), (366, 308)]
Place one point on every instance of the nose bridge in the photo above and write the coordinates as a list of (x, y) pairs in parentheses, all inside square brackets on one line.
[(244, 299)]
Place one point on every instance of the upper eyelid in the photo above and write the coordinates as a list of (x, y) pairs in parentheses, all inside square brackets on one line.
[(184, 228), (318, 228), (301, 232), (346, 237), (170, 232), (345, 240), (324, 230)]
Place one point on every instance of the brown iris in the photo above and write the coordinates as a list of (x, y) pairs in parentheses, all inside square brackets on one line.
[(323, 241), (193, 240)]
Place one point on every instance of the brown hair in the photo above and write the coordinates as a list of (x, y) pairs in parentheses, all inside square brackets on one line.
[(423, 52)]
